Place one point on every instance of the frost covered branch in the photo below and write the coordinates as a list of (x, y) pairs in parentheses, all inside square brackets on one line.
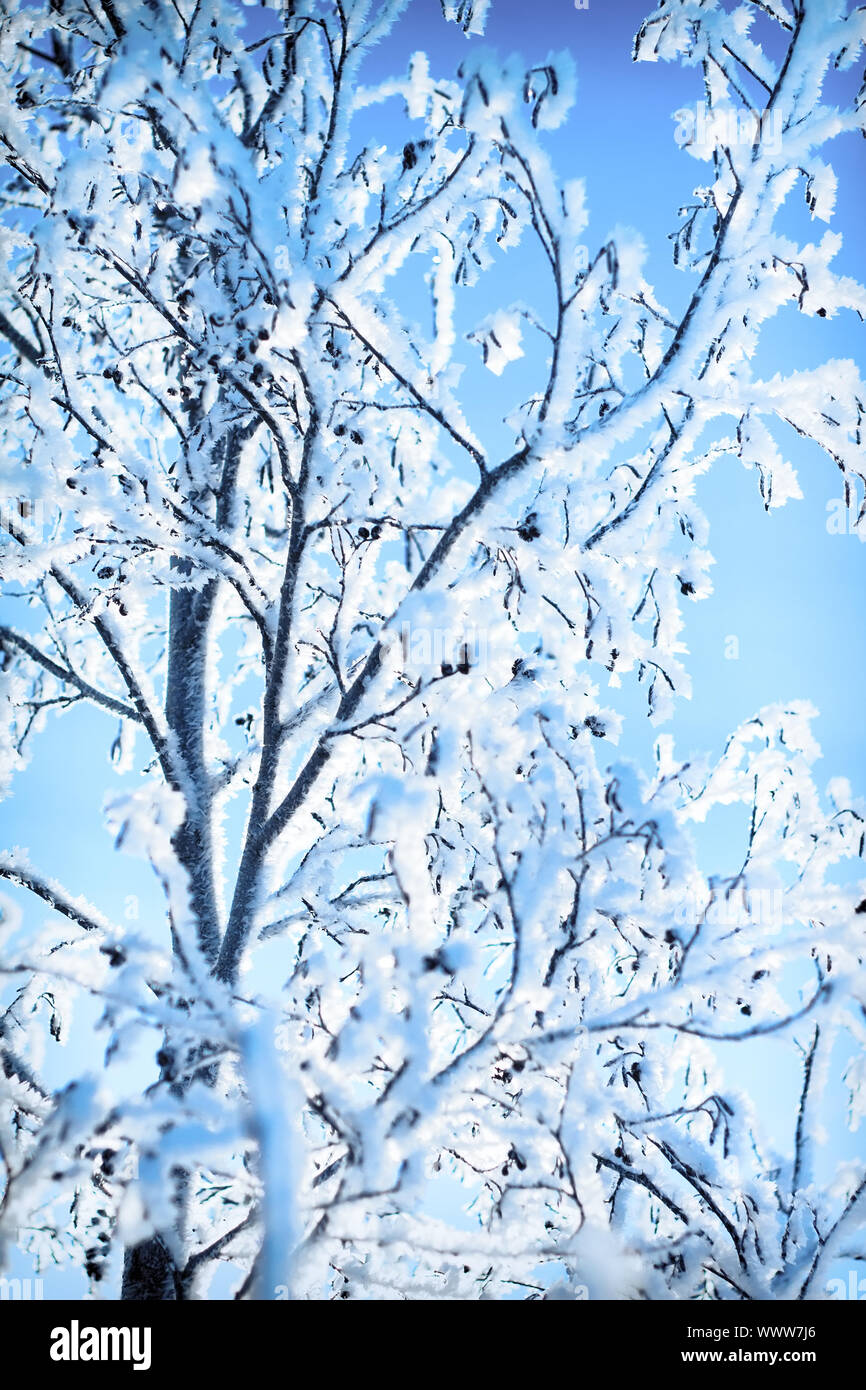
[(414, 918)]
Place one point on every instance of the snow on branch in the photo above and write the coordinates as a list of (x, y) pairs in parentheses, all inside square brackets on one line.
[(417, 926)]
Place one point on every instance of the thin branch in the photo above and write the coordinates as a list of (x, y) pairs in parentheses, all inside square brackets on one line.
[(54, 895), (68, 676)]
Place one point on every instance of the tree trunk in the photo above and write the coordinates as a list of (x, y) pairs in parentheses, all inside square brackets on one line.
[(150, 1274)]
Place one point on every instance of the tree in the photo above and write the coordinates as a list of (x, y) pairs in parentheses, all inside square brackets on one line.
[(448, 931)]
